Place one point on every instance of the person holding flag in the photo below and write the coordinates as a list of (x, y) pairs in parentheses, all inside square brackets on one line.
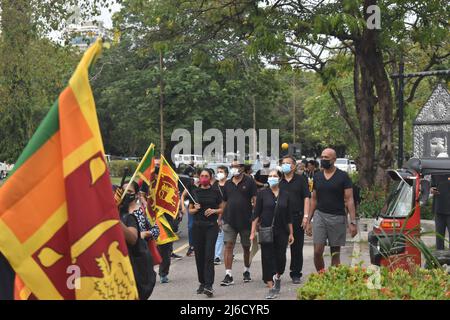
[(61, 187), (206, 210)]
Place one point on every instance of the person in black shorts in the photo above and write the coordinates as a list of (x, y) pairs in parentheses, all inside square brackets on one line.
[(332, 194)]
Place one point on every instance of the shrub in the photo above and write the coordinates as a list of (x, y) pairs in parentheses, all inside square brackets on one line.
[(372, 201), (351, 283), (116, 167)]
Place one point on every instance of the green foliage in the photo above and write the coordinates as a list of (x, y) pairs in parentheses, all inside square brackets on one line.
[(351, 283), (372, 201), (117, 167)]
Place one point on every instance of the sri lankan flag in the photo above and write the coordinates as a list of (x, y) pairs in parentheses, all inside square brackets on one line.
[(59, 226), (167, 198), (147, 165)]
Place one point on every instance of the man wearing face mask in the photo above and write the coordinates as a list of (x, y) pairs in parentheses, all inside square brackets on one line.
[(239, 195), (297, 188), (332, 194)]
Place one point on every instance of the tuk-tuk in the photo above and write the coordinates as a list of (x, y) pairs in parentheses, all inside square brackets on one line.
[(400, 215)]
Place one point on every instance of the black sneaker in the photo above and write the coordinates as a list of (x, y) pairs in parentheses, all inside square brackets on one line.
[(217, 261), (208, 291), (201, 289), (175, 256), (247, 277), (271, 294), (296, 280), (227, 281)]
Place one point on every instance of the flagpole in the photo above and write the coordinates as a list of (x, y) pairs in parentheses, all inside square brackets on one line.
[(181, 182), (137, 170)]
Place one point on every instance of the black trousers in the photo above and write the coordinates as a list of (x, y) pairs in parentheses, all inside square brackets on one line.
[(297, 247), (204, 237), (442, 222), (7, 277), (165, 250), (273, 256)]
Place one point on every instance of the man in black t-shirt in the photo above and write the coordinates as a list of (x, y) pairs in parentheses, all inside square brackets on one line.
[(239, 196), (297, 188), (441, 207), (332, 194)]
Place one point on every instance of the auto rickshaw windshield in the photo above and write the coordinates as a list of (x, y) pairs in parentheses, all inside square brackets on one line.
[(400, 201)]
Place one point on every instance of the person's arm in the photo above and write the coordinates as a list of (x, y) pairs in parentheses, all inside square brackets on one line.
[(194, 208), (253, 232), (291, 234), (131, 234), (350, 204), (183, 198)]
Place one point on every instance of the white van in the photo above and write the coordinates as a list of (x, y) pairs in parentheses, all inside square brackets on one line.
[(188, 159), (344, 164)]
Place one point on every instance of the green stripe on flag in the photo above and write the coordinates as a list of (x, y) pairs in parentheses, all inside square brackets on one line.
[(48, 127), (147, 161)]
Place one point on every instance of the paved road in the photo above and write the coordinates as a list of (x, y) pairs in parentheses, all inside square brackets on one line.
[(183, 277)]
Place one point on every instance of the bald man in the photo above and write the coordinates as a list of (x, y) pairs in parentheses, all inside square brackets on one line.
[(332, 194)]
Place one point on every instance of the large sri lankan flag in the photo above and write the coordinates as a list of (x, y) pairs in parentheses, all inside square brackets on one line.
[(58, 218)]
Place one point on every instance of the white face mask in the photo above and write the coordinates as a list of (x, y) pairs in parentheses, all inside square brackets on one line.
[(235, 171), (220, 176)]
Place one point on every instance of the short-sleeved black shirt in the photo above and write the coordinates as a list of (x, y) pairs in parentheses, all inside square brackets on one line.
[(208, 199), (331, 193), (265, 209), (441, 201), (219, 188), (238, 211), (298, 190), (130, 220)]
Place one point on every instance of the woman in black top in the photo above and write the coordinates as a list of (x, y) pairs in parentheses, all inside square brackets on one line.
[(270, 202), (206, 210), (140, 257)]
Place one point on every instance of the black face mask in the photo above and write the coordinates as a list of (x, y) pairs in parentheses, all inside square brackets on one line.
[(129, 198), (326, 164)]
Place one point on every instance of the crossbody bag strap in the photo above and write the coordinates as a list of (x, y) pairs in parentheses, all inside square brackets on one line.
[(276, 208)]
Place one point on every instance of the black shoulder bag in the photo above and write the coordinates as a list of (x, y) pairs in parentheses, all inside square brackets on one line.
[(265, 234)]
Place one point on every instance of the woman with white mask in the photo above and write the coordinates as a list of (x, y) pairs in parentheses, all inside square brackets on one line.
[(272, 212)]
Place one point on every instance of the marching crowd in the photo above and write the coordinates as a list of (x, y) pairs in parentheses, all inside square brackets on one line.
[(275, 207)]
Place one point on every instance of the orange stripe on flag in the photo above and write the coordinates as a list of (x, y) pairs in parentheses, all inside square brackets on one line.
[(75, 131), (42, 194)]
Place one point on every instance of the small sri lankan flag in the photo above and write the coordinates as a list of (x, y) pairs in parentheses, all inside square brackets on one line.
[(147, 166), (59, 226)]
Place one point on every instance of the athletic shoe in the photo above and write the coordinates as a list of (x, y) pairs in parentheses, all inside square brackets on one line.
[(276, 284), (247, 277), (175, 256), (217, 261), (227, 281), (201, 289), (271, 294), (164, 279), (296, 280), (208, 291)]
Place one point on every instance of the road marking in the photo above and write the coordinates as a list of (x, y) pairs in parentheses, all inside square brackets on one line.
[(181, 248)]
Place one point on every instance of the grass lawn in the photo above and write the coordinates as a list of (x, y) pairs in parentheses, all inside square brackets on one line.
[(115, 180)]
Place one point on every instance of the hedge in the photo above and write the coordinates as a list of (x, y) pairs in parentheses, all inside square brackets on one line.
[(351, 283), (116, 167)]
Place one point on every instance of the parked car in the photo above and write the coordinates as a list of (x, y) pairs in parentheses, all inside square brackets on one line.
[(344, 164), (353, 165)]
